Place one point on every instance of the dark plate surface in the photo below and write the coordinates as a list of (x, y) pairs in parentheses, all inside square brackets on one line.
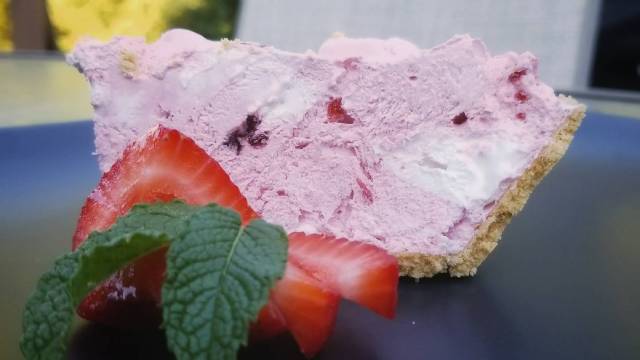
[(563, 283)]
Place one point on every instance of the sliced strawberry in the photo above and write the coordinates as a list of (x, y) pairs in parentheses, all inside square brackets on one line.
[(362, 273), (302, 305), (165, 165)]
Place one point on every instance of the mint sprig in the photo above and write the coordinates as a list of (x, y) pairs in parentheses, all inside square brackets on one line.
[(218, 277)]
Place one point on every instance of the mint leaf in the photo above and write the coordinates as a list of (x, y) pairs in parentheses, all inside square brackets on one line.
[(218, 277), (50, 308)]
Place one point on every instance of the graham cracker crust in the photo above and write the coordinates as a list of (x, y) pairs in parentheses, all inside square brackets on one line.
[(466, 262)]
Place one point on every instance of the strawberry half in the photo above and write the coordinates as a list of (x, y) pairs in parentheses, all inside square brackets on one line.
[(165, 165)]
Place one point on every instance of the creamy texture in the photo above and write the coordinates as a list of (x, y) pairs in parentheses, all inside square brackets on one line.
[(433, 138)]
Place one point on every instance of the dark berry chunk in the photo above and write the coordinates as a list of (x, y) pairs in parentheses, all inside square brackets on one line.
[(521, 96), (258, 140), (413, 77), (521, 116), (246, 130), (460, 119), (515, 76), (336, 113)]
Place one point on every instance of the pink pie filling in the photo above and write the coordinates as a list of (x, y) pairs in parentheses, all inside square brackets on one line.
[(374, 140)]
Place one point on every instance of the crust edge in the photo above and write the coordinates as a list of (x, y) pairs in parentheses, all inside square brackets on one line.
[(466, 262)]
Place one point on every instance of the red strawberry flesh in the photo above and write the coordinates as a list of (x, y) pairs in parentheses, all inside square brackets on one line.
[(336, 113), (307, 308), (359, 272)]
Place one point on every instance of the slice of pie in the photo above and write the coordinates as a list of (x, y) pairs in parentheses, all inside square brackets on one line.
[(425, 153)]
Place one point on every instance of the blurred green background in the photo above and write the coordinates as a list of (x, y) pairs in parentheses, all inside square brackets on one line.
[(58, 24)]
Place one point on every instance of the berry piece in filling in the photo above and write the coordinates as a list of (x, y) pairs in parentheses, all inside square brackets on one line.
[(247, 130), (459, 119), (521, 96), (515, 76), (336, 113)]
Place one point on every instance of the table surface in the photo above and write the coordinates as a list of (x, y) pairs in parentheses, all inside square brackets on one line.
[(41, 88), (561, 284)]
